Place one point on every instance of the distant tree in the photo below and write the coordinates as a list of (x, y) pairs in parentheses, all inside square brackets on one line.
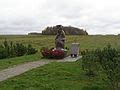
[(69, 30)]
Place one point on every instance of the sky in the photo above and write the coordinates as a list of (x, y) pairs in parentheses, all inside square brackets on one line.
[(24, 16)]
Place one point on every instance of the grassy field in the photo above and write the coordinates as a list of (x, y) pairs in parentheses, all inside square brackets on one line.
[(86, 42), (65, 76), (55, 76)]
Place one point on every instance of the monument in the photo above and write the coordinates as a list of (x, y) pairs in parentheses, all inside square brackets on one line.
[(60, 37), (59, 51)]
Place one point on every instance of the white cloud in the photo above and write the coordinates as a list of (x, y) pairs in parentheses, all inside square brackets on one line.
[(23, 16)]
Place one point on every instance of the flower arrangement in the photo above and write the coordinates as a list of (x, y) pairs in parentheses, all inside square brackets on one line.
[(58, 54), (53, 53)]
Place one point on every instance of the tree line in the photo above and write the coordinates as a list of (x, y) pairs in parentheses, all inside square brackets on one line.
[(69, 30)]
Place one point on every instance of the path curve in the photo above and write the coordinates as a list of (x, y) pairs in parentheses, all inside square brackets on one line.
[(19, 69)]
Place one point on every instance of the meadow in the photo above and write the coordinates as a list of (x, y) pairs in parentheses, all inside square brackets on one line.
[(86, 42), (63, 76)]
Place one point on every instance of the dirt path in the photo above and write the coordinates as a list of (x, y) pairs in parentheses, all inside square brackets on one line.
[(19, 69)]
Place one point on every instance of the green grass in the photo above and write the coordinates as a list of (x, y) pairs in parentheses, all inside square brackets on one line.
[(62, 76), (86, 42), (5, 63), (54, 76)]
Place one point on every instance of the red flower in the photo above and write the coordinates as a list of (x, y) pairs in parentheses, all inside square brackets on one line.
[(56, 54)]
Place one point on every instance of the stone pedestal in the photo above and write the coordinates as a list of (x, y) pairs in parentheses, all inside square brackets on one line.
[(74, 49)]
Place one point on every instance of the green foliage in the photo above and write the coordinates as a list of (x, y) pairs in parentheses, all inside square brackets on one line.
[(12, 50), (6, 47), (66, 48), (30, 49), (86, 42), (20, 49), (3, 52), (69, 30), (52, 75), (110, 61), (108, 58), (89, 63)]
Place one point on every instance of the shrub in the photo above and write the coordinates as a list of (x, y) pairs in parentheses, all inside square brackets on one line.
[(3, 52), (20, 49), (6, 47), (89, 63), (12, 50), (31, 50), (110, 61)]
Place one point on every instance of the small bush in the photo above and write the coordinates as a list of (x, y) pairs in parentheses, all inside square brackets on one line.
[(89, 63), (6, 47), (30, 49), (8, 50), (20, 49), (110, 61), (3, 52)]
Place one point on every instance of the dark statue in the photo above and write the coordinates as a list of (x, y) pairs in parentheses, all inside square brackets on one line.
[(60, 37)]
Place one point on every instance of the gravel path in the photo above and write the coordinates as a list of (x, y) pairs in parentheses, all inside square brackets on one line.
[(19, 69)]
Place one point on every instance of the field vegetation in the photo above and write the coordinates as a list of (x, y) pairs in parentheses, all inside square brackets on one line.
[(89, 73)]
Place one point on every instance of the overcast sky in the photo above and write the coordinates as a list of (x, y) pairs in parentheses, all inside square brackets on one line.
[(23, 16)]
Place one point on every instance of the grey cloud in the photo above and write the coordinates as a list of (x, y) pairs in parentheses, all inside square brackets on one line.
[(65, 8), (95, 16), (22, 30)]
